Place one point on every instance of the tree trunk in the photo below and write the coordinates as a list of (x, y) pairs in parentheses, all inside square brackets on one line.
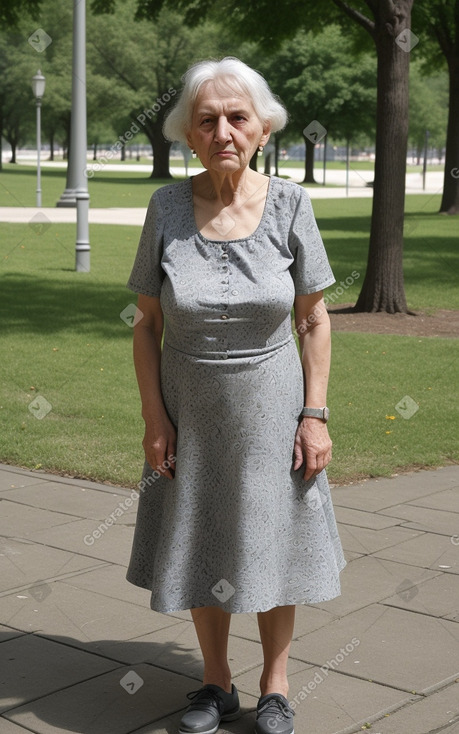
[(123, 151), (267, 170), (94, 152), (450, 199), (309, 161), (383, 288), (276, 154), (13, 150), (51, 145), (1, 138), (161, 148)]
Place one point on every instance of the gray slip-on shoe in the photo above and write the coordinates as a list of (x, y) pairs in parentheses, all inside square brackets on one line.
[(274, 715)]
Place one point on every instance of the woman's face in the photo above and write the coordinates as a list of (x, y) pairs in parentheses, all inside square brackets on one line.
[(225, 130)]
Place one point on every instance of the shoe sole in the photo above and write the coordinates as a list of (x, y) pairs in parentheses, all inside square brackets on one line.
[(226, 717)]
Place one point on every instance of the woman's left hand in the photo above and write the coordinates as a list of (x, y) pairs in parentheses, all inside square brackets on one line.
[(312, 446)]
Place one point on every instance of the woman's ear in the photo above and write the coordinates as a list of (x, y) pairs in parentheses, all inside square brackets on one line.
[(266, 134)]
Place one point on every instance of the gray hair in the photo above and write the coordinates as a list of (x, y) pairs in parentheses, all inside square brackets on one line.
[(229, 73)]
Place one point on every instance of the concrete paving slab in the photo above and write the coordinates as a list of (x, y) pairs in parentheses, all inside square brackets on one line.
[(439, 714), (114, 703), (309, 618), (110, 580), (23, 562), (18, 474), (331, 703), (12, 480), (34, 667), (438, 597), (368, 580), (425, 518), (114, 543), (395, 647), (447, 500), (85, 619), (7, 633), (436, 552), (366, 541), (363, 519), (176, 648), (7, 727), (376, 494), (72, 500), (249, 681), (25, 520)]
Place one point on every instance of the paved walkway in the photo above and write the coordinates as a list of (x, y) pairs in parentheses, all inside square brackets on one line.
[(80, 650), (136, 215)]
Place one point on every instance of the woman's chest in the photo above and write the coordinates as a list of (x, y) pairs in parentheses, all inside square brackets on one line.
[(235, 221)]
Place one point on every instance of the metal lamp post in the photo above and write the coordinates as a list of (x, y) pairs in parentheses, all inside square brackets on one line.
[(38, 87)]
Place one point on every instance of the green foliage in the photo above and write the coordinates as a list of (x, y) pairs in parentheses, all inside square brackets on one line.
[(318, 78), (428, 107), (11, 11)]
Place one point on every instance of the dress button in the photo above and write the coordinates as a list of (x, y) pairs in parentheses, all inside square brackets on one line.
[(225, 256), (235, 293), (224, 316)]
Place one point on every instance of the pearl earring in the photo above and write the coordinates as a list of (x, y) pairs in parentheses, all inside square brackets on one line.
[(194, 154), (260, 149)]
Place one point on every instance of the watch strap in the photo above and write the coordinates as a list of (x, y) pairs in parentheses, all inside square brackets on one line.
[(322, 413)]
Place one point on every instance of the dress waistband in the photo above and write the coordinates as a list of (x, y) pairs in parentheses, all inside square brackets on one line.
[(251, 355)]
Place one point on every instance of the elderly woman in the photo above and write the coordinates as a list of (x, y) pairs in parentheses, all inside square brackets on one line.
[(236, 514)]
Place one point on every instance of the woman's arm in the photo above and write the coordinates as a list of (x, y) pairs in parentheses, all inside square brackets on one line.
[(160, 441), (312, 442)]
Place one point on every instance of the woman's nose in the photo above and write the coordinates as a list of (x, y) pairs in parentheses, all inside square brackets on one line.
[(222, 134)]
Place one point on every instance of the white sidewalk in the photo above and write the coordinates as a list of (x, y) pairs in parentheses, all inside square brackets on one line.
[(136, 215)]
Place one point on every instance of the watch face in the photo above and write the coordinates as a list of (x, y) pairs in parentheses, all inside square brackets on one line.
[(326, 414)]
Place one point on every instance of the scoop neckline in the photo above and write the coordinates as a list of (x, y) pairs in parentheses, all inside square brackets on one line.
[(238, 239)]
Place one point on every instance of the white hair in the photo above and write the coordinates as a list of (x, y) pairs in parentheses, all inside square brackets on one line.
[(229, 74)]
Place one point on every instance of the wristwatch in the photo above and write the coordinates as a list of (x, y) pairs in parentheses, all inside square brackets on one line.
[(322, 413)]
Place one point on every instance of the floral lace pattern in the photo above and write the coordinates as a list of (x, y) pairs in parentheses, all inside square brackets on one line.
[(236, 527)]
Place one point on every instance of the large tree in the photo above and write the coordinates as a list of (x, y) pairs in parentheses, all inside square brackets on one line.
[(148, 61), (319, 79), (17, 105), (440, 43)]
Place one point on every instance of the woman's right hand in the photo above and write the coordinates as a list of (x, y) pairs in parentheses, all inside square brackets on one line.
[(160, 445)]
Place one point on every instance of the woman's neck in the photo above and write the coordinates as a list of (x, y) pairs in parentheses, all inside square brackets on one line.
[(228, 188)]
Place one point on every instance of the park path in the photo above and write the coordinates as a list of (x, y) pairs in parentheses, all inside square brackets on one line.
[(136, 215), (81, 651)]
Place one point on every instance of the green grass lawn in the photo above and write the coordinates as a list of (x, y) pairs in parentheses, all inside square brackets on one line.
[(63, 340)]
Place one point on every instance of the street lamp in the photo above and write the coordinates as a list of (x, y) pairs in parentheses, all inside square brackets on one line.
[(38, 86)]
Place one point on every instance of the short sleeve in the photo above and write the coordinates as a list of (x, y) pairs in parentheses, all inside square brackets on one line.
[(311, 271), (147, 274)]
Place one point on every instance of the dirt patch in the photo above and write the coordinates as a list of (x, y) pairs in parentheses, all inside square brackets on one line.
[(442, 323)]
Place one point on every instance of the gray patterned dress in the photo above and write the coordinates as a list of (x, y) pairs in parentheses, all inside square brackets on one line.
[(236, 527)]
